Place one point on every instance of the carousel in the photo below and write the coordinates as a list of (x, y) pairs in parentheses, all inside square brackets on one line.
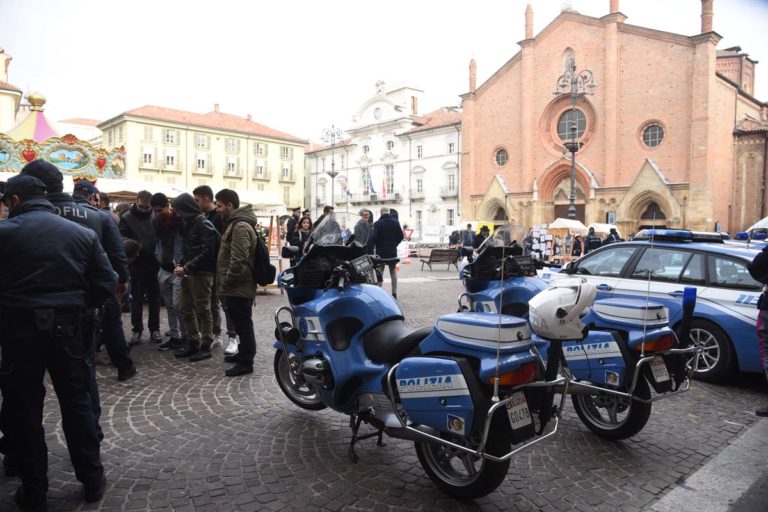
[(36, 138)]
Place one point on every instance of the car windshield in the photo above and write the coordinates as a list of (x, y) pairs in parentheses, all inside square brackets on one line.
[(504, 236), (327, 232)]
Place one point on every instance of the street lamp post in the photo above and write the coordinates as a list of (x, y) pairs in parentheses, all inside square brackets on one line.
[(330, 137), (577, 84)]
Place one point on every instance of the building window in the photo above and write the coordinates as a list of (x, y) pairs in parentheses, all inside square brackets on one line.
[(260, 149), (260, 187), (451, 182), (232, 166), (232, 145), (365, 176), (148, 133), (109, 137), (287, 170), (390, 145), (286, 153), (389, 179), (419, 151), (201, 141), (170, 158), (366, 149), (149, 153), (450, 217), (322, 162), (287, 195), (419, 185), (502, 157), (653, 135), (451, 147), (170, 136), (261, 168), (342, 162), (202, 162), (566, 122), (120, 134)]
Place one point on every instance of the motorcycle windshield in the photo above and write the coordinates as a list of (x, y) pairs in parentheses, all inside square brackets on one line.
[(504, 236), (326, 233)]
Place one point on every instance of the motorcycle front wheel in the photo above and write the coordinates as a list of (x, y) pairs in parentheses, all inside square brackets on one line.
[(462, 475), (297, 391), (613, 417)]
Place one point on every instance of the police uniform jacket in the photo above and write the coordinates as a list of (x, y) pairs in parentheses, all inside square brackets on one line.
[(50, 262), (100, 222), (200, 244)]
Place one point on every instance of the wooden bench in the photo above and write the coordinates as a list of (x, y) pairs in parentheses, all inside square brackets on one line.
[(449, 256)]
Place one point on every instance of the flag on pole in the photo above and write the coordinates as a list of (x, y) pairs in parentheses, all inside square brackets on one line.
[(384, 187)]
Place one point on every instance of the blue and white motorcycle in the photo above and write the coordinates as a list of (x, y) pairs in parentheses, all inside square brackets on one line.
[(627, 349), (470, 392)]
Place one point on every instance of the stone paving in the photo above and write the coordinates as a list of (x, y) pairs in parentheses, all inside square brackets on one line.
[(182, 436)]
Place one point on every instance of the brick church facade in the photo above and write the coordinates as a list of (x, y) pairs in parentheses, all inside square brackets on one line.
[(671, 134)]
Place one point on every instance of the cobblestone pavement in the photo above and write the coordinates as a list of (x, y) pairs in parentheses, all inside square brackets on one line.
[(182, 436)]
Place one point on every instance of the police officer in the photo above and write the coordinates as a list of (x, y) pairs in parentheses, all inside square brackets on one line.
[(592, 241), (52, 271), (77, 208)]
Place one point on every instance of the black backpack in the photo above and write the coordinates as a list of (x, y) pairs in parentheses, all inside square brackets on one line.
[(758, 269), (263, 271)]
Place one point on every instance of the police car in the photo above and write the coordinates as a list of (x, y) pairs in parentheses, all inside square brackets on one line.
[(725, 317)]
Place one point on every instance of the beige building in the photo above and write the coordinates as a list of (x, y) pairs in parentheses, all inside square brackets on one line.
[(187, 149), (671, 134), (10, 96)]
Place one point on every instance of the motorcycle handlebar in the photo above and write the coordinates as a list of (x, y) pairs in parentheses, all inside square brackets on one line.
[(383, 261)]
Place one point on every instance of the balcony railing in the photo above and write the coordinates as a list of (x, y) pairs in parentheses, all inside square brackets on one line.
[(264, 176), (287, 179), (376, 198), (448, 192), (417, 195)]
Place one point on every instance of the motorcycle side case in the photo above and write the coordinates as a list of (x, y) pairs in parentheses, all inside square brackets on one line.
[(441, 393), (624, 314)]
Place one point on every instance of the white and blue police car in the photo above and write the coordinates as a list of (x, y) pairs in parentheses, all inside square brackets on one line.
[(659, 264)]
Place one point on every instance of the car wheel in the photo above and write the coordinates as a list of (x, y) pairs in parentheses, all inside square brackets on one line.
[(716, 358)]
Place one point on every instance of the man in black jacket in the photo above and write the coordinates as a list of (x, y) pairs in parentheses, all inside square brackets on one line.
[(196, 268), (592, 241), (48, 282), (204, 198), (386, 236), (136, 224)]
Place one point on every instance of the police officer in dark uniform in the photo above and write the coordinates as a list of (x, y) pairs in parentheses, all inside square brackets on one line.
[(53, 271), (77, 209)]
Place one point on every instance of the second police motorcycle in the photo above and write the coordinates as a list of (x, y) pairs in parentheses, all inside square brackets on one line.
[(470, 391), (627, 347)]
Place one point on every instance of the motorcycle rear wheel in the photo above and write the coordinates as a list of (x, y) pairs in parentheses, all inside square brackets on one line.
[(464, 476), (613, 417), (300, 393)]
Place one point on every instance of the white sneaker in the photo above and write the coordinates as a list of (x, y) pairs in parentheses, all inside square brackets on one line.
[(232, 346), (217, 342)]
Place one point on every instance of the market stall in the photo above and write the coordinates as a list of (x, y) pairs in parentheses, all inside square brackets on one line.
[(563, 231)]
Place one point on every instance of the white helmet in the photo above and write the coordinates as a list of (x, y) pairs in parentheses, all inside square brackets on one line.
[(555, 312)]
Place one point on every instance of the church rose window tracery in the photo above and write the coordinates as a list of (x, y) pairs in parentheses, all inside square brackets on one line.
[(653, 135), (566, 120)]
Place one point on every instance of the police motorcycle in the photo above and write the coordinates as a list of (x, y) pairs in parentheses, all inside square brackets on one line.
[(470, 392), (628, 347)]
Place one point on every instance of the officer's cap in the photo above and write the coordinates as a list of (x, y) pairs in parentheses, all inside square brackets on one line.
[(24, 186), (46, 172), (86, 187)]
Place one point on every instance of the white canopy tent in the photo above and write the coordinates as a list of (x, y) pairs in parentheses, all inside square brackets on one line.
[(604, 229), (573, 226)]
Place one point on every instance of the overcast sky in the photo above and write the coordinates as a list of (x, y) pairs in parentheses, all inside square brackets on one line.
[(299, 66)]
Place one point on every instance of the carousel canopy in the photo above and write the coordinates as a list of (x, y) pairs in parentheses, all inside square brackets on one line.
[(35, 126)]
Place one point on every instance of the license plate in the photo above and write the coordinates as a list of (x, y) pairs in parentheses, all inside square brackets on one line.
[(659, 369), (518, 412)]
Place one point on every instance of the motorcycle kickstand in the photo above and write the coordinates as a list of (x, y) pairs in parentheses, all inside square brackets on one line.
[(355, 421)]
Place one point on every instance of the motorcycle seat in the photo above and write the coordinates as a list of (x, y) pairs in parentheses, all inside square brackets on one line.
[(391, 341)]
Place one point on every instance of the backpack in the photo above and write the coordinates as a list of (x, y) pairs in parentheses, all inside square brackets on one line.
[(758, 269), (263, 271)]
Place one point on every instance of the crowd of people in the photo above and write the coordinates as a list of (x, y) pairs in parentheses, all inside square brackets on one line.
[(61, 300)]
